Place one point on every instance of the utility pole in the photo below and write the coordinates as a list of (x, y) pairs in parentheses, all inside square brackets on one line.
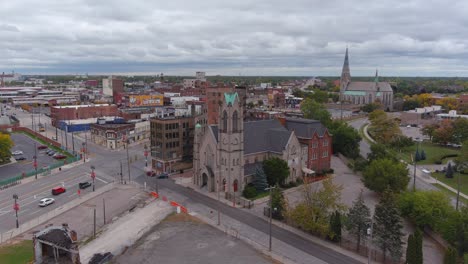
[(84, 152), (93, 175), (56, 132), (219, 213), (73, 143), (66, 140), (121, 174), (128, 158), (271, 211), (414, 171), (35, 159), (94, 233), (104, 209)]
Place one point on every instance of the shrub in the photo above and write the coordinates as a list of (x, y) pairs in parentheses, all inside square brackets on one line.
[(249, 192), (299, 181)]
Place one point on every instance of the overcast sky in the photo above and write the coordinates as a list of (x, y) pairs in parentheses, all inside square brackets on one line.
[(236, 37)]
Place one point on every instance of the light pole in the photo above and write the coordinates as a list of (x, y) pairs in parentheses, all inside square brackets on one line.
[(146, 155), (84, 152), (93, 175), (370, 233), (35, 160), (414, 171), (16, 208), (271, 211), (128, 157)]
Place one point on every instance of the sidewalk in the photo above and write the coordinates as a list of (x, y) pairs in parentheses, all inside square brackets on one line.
[(257, 238)]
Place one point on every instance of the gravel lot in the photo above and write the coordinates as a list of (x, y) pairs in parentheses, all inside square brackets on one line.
[(184, 239)]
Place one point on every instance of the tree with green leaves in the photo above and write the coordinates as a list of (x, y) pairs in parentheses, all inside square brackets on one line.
[(418, 249), (345, 139), (5, 147), (449, 171), (260, 180), (411, 250), (380, 151), (315, 110), (429, 130), (278, 203), (386, 173), (335, 227), (276, 170), (423, 155), (358, 220), (450, 256), (387, 226), (417, 156)]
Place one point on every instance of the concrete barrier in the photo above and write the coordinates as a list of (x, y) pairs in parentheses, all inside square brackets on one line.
[(49, 215)]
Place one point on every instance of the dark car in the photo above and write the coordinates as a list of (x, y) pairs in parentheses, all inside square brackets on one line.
[(163, 176), (42, 147), (58, 190), (51, 153), (151, 173), (84, 185), (20, 158)]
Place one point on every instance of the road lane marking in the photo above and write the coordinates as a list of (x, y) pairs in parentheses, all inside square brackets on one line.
[(22, 211), (35, 211), (101, 180)]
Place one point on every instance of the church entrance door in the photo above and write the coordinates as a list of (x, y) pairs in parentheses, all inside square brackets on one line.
[(234, 185), (204, 179)]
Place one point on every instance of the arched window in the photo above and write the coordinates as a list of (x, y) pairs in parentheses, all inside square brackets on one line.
[(235, 120), (225, 119)]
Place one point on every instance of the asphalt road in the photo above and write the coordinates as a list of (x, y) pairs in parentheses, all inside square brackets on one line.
[(258, 223), (30, 193)]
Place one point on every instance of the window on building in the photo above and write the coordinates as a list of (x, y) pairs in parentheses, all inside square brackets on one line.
[(235, 121), (225, 120), (325, 143), (325, 154)]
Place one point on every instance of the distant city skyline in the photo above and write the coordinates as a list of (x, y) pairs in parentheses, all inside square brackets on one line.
[(243, 37)]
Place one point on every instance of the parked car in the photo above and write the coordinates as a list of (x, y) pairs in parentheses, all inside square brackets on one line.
[(54, 138), (163, 176), (51, 153), (84, 185), (17, 152), (20, 158), (151, 173), (46, 201), (41, 147), (58, 190), (59, 156)]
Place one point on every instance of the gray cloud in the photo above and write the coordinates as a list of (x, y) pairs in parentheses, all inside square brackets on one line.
[(249, 37)]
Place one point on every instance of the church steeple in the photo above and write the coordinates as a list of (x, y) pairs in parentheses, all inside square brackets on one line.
[(376, 80), (345, 73)]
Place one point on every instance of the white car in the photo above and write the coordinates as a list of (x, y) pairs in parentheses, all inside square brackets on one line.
[(18, 152), (46, 201)]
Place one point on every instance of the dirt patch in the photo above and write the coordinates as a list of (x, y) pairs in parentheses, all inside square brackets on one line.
[(181, 218)]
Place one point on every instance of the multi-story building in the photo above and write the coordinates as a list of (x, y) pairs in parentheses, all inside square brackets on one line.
[(74, 112), (113, 136), (214, 100), (463, 104), (112, 85), (171, 139), (315, 136)]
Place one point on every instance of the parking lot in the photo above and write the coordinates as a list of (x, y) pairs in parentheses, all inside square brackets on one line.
[(26, 145)]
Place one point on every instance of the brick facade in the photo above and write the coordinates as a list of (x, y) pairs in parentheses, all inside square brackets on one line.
[(58, 113)]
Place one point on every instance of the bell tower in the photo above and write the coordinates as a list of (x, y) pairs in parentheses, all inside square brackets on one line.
[(345, 75), (231, 145)]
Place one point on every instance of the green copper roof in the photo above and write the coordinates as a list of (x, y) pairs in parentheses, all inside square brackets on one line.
[(360, 93), (198, 125), (378, 94), (230, 98)]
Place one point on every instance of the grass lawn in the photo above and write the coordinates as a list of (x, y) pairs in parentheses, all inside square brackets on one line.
[(19, 253), (433, 153), (453, 181), (261, 195)]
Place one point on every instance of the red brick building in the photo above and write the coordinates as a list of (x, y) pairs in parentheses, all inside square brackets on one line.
[(317, 139), (463, 104), (73, 112), (214, 98)]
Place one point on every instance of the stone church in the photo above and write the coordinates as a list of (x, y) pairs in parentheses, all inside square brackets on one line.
[(361, 93), (226, 155)]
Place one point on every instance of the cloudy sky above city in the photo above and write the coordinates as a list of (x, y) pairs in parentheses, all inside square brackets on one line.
[(242, 37)]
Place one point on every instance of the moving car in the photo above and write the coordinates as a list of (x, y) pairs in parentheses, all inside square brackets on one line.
[(84, 185), (163, 176), (17, 152), (20, 158), (58, 190), (46, 201), (41, 147)]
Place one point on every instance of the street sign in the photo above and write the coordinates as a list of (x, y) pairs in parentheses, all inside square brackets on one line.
[(16, 207)]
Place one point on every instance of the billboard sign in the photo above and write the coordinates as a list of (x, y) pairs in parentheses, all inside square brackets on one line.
[(145, 100)]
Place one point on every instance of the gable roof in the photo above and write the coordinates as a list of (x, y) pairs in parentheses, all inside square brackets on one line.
[(369, 86), (305, 128), (262, 136)]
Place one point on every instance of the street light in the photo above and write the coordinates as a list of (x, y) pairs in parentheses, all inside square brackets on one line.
[(35, 160), (146, 155), (93, 175), (16, 208), (84, 152), (271, 211)]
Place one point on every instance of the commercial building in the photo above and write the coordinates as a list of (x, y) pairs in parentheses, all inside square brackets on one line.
[(73, 112), (172, 137), (112, 85), (112, 136), (420, 116)]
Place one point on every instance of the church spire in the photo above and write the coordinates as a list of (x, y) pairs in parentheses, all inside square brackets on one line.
[(376, 80), (345, 73)]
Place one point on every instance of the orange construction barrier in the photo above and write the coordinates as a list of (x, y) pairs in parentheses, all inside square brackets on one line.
[(155, 194)]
